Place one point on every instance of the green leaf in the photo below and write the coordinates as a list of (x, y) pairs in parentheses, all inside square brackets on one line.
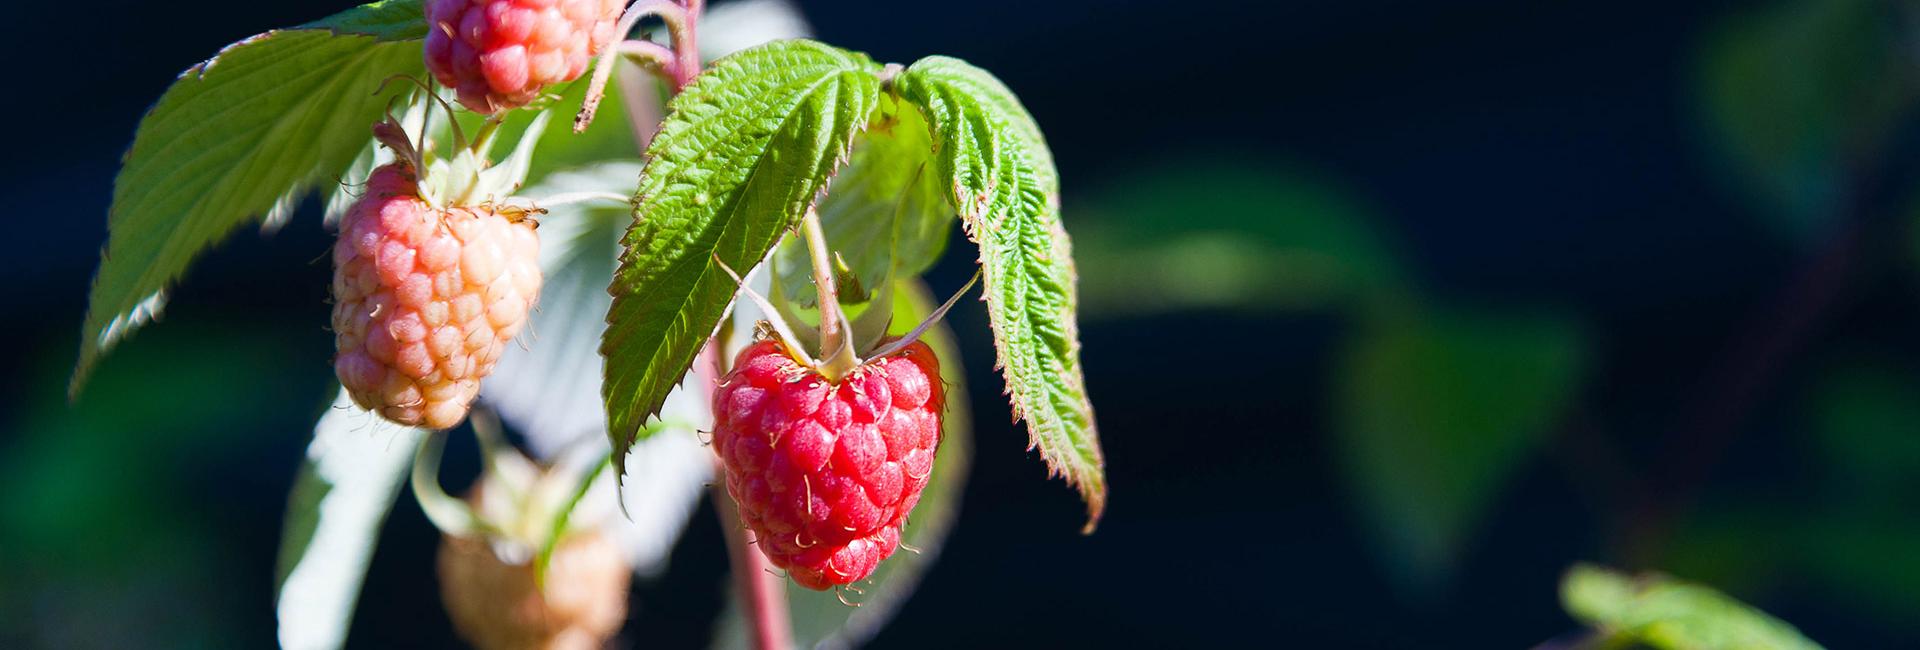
[(745, 150), (353, 470), (885, 213), (1435, 411), (241, 136), (992, 160), (819, 618), (1671, 614)]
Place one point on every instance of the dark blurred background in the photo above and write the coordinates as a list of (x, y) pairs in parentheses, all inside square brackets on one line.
[(1392, 311)]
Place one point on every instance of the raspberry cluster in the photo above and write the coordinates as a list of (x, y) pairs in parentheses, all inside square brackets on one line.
[(499, 54), (825, 474), (425, 300)]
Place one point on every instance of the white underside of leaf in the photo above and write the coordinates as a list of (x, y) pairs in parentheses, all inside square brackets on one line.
[(362, 460)]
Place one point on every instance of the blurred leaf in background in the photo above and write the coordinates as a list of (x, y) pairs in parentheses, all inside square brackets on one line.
[(1433, 414), (1670, 614), (114, 543), (1799, 93), (1210, 233)]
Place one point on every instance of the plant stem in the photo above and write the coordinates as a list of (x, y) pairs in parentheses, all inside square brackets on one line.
[(686, 43), (680, 21), (763, 593)]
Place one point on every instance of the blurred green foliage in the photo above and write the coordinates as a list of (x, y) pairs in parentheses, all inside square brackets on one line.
[(1434, 413), (1232, 234), (101, 495), (1435, 405), (1798, 93)]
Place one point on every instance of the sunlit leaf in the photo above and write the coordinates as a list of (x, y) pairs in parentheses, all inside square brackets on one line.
[(1671, 614), (237, 138), (990, 156), (746, 149)]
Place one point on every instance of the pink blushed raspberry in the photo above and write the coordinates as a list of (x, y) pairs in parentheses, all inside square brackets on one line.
[(500, 54), (825, 474), (425, 300)]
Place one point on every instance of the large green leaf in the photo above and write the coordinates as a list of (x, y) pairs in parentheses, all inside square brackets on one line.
[(1671, 614), (746, 149), (241, 136), (992, 160), (1435, 411), (353, 469), (820, 619)]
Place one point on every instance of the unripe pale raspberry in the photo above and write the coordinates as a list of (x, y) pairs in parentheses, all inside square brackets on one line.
[(825, 474), (425, 300), (496, 605), (499, 54)]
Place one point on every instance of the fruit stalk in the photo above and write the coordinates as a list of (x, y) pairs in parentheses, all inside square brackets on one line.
[(678, 66), (836, 350)]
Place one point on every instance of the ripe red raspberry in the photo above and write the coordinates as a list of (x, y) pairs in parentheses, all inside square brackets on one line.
[(499, 54), (825, 474), (424, 300)]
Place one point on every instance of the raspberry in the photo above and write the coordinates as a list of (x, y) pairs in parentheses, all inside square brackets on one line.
[(497, 604), (424, 300), (825, 474), (499, 54)]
